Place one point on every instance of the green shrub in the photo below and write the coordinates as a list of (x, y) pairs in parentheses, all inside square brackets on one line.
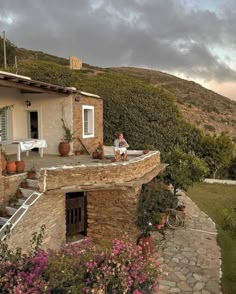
[(154, 199), (47, 71), (229, 221)]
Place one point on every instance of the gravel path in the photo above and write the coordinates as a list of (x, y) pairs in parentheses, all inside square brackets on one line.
[(191, 257)]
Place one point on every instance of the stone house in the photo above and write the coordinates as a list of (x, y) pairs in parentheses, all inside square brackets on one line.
[(73, 196)]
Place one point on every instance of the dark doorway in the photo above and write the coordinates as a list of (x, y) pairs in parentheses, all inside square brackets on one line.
[(33, 130), (76, 215)]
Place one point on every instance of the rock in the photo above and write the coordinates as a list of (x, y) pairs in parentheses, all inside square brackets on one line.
[(212, 286), (198, 286)]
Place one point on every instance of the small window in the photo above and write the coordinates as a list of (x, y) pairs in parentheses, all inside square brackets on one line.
[(88, 121), (3, 124)]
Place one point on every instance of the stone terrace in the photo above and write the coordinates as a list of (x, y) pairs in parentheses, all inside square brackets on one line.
[(47, 161)]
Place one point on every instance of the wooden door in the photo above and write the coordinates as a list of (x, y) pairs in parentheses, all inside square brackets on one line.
[(75, 215)]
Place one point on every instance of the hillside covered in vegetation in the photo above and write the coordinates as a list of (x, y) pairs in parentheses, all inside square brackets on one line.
[(208, 110), (147, 106)]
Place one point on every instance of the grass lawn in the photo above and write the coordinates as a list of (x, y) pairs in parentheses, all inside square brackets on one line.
[(211, 198)]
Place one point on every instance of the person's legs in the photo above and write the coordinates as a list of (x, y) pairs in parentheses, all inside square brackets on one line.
[(117, 155), (125, 156)]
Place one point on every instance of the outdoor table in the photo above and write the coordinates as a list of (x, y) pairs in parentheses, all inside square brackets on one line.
[(29, 144)]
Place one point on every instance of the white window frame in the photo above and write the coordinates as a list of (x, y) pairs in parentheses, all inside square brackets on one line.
[(91, 123), (4, 132)]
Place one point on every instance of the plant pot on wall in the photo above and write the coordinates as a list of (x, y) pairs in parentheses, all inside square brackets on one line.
[(31, 174), (64, 148), (11, 167), (18, 194), (24, 184), (3, 212), (20, 166)]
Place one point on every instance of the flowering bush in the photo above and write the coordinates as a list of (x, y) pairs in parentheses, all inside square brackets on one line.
[(66, 267), (81, 268), (24, 275), (123, 270)]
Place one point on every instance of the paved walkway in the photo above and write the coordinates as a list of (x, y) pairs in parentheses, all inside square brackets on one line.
[(191, 257)]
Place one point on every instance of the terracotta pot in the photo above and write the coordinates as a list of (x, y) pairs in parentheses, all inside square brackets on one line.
[(145, 151), (95, 155), (11, 167), (3, 213), (18, 193), (20, 166), (64, 148), (4, 162), (147, 244), (24, 184), (77, 152), (31, 174)]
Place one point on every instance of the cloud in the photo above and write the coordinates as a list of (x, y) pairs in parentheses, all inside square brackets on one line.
[(169, 35)]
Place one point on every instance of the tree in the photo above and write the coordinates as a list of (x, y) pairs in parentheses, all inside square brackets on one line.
[(183, 170), (10, 50), (217, 152)]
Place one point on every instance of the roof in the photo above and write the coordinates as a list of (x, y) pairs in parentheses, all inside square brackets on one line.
[(27, 85)]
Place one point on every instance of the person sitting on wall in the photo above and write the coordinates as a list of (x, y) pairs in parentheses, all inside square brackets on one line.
[(120, 147)]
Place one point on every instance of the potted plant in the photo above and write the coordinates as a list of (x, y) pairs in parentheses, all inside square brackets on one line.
[(77, 152), (3, 212), (24, 184), (64, 146), (11, 165), (20, 166), (18, 194), (99, 152), (31, 174), (144, 223)]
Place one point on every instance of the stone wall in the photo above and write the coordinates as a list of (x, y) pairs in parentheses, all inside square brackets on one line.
[(75, 62), (1, 184), (11, 184), (218, 181), (113, 174), (112, 214), (111, 210), (89, 143), (48, 210)]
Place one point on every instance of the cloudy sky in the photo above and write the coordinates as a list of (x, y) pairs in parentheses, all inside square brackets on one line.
[(193, 39)]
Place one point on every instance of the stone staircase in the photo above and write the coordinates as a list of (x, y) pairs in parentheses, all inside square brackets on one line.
[(16, 208)]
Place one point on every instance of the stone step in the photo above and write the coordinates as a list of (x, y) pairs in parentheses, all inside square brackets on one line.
[(26, 192), (10, 210), (3, 220), (32, 183), (20, 202)]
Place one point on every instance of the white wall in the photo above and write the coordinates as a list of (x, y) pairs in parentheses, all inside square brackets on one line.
[(51, 108)]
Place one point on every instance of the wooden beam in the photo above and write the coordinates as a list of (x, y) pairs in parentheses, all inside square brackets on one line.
[(8, 84)]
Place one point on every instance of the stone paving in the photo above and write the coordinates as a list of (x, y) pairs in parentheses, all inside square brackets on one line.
[(191, 259)]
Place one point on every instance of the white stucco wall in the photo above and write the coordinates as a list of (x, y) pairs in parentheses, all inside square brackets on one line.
[(50, 107)]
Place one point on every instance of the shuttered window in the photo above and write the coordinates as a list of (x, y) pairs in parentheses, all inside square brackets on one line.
[(88, 121), (3, 124)]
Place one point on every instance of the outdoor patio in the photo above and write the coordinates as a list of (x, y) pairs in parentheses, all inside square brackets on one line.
[(35, 161)]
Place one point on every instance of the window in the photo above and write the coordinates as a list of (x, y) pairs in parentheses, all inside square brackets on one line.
[(88, 121), (3, 125)]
